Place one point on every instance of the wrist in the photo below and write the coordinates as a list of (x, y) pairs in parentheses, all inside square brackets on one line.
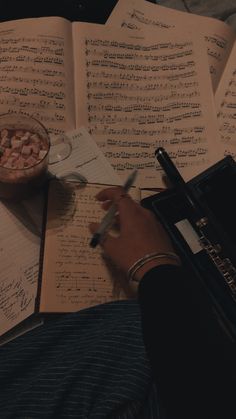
[(152, 264), (149, 261)]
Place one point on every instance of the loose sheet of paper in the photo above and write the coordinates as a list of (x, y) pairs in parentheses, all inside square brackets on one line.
[(143, 15), (144, 93), (86, 159), (74, 275), (226, 105)]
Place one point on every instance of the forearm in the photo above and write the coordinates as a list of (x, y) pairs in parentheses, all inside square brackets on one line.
[(188, 351)]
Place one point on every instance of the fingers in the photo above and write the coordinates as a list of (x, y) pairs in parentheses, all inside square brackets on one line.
[(108, 243), (110, 194), (126, 206)]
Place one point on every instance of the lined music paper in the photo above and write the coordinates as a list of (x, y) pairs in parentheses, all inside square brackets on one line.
[(144, 93), (141, 15)]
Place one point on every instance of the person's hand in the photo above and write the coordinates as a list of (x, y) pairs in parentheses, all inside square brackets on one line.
[(139, 233)]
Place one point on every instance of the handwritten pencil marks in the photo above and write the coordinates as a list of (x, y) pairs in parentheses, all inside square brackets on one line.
[(78, 274)]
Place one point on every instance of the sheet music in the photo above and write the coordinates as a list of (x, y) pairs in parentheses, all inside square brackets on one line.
[(143, 15), (19, 256), (36, 71), (74, 275), (226, 104), (141, 94)]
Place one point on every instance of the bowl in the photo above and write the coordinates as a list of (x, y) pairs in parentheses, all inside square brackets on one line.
[(24, 156)]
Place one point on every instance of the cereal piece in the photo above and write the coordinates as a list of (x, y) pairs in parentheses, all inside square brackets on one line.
[(26, 150)]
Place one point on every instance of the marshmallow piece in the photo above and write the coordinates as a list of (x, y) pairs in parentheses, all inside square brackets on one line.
[(3, 160), (35, 139), (31, 161), (6, 142), (25, 139), (42, 154), (35, 149), (16, 145), (9, 163), (7, 152), (19, 133), (4, 133), (15, 155), (26, 150), (20, 163)]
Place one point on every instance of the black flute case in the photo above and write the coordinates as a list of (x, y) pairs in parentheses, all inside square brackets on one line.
[(215, 188)]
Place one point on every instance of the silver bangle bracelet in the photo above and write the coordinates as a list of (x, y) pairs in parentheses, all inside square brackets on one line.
[(147, 258)]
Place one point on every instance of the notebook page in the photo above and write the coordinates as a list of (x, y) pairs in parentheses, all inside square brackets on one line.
[(75, 276)]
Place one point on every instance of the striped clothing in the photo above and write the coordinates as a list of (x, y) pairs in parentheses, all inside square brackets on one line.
[(90, 364)]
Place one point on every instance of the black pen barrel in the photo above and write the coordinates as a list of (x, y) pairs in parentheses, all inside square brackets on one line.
[(178, 182), (168, 166)]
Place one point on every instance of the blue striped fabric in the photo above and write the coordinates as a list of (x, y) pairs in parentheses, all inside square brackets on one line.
[(90, 364)]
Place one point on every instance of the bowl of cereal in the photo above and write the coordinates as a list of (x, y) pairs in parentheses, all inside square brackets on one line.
[(24, 155)]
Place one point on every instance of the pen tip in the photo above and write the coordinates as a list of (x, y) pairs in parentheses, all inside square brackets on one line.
[(95, 240), (159, 151)]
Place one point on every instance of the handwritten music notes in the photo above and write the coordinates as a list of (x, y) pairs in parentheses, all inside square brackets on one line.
[(36, 71), (141, 15), (21, 225), (74, 276), (145, 93), (19, 279), (226, 106)]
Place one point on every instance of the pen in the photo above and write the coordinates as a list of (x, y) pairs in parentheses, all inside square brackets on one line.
[(197, 213), (110, 215)]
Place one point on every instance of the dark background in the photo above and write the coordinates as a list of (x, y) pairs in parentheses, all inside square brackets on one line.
[(96, 11)]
